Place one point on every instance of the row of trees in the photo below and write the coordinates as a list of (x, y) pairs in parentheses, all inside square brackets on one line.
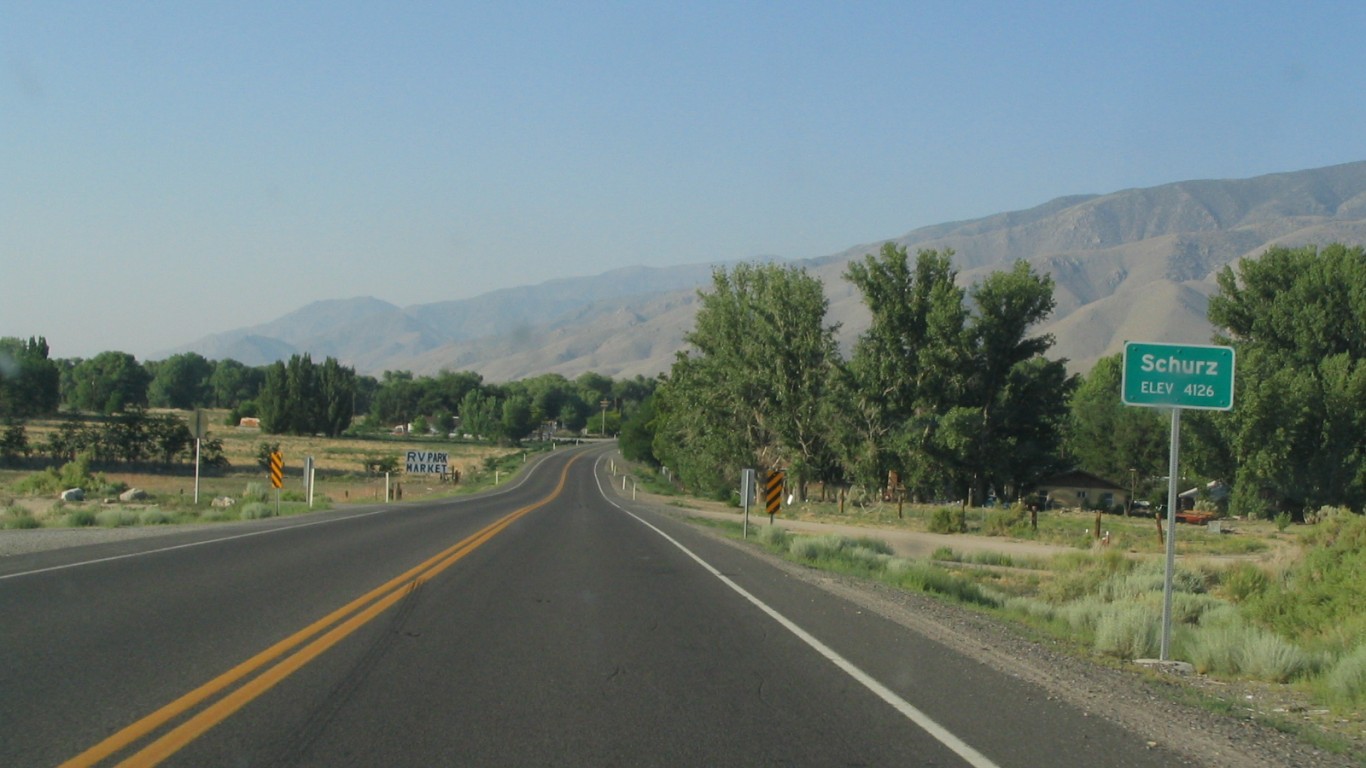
[(299, 396), (133, 437), (948, 390), (945, 388)]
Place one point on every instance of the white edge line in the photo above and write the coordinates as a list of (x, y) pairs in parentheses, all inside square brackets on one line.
[(928, 724), (249, 534)]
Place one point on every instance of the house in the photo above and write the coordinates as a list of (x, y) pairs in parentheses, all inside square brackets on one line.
[(1077, 488)]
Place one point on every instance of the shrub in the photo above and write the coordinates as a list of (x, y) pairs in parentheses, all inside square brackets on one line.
[(1002, 522), (949, 520), (947, 555), (1217, 649), (1268, 656), (774, 537), (115, 518), (1242, 581), (1128, 630), (16, 517), (255, 510), (80, 518), (153, 517), (254, 492), (1346, 681), (1282, 521), (992, 558), (813, 548)]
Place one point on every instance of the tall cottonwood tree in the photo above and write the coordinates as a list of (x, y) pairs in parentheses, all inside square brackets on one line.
[(1296, 437), (1107, 437), (904, 368), (301, 398), (30, 383), (753, 387), (1006, 430)]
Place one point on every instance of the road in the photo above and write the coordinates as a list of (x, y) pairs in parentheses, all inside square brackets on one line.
[(550, 623)]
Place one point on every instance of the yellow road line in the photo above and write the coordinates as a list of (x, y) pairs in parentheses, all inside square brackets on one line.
[(377, 600)]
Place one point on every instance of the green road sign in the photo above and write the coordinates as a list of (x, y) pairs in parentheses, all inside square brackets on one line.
[(1178, 376)]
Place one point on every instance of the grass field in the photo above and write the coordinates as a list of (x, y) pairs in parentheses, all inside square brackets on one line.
[(28, 496)]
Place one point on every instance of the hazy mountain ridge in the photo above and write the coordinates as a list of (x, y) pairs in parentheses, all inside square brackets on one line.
[(1135, 264)]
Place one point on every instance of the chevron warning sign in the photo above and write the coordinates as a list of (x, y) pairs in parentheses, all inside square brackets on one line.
[(277, 469), (773, 491)]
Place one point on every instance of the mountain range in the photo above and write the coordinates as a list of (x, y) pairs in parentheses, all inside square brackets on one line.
[(1137, 264)]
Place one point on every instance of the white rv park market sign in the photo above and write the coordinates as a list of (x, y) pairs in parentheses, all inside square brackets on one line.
[(427, 463)]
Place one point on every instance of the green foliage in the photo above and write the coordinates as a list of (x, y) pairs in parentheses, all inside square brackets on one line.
[(29, 382), (1243, 581), (255, 510), (181, 381), (301, 398), (1106, 437), (14, 517), (720, 411), (948, 520), (14, 444), (80, 518), (1128, 630), (1346, 680), (108, 383), (638, 433), (1322, 594), (1296, 436)]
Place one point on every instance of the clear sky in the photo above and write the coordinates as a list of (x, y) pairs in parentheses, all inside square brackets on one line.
[(169, 169)]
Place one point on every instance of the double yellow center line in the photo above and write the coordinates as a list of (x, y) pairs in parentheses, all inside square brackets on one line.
[(315, 639)]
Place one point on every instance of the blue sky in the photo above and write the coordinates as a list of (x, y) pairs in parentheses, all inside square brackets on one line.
[(169, 170)]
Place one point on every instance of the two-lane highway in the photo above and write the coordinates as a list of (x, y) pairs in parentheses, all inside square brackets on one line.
[(550, 624)]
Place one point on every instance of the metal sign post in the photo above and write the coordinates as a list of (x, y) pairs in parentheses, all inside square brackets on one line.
[(746, 496), (1176, 376), (199, 427)]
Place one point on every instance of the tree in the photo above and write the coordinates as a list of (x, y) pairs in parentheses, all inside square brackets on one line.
[(1296, 436), (905, 369), (756, 379), (108, 383), (1005, 389), (233, 383), (29, 381), (337, 389), (181, 381), (479, 415), (517, 421), (300, 398), (1108, 438)]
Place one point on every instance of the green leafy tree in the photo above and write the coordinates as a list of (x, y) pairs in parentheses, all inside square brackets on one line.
[(337, 390), (757, 377), (233, 383), (181, 381), (1296, 436), (108, 383), (14, 445), (479, 415), (1108, 438), (638, 432), (905, 369), (30, 383), (1007, 390), (518, 419)]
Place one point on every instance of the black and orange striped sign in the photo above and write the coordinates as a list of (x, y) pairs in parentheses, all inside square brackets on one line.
[(277, 469), (773, 491)]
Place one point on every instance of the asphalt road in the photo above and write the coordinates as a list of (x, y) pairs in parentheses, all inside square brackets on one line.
[(551, 623)]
